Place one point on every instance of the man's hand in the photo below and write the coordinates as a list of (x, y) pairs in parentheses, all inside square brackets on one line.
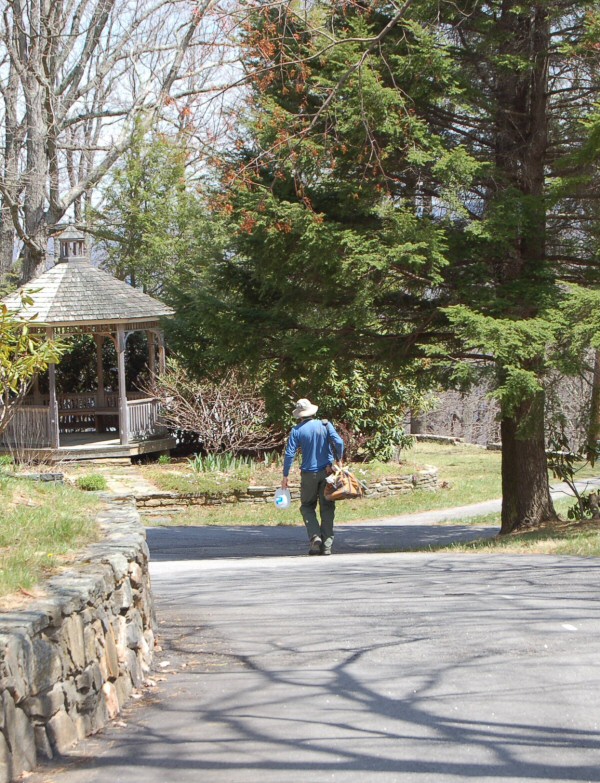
[(284, 483)]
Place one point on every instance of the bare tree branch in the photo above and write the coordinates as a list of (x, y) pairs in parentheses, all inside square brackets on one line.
[(229, 416), (88, 73)]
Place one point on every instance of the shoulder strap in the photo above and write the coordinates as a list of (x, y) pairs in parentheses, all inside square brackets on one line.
[(325, 423)]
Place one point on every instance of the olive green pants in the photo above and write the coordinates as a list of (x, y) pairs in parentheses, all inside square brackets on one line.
[(312, 489)]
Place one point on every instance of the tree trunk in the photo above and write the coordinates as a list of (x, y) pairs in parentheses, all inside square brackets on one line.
[(10, 173), (7, 243), (35, 196), (34, 191), (33, 262), (593, 433), (416, 424), (521, 135), (526, 500)]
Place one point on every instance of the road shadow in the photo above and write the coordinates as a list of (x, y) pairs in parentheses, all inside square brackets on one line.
[(211, 542), (419, 673)]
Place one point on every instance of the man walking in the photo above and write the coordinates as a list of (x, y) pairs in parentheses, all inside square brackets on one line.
[(320, 445)]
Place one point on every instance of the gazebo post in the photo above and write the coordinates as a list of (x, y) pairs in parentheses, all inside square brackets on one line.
[(162, 361), (99, 340), (123, 411), (100, 392), (53, 403), (37, 394), (151, 353)]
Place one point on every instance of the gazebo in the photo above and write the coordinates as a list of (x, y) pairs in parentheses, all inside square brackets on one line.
[(73, 298)]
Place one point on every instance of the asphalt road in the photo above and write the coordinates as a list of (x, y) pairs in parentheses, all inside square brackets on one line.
[(179, 544), (365, 666)]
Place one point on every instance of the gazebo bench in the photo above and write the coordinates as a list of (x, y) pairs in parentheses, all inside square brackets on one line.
[(97, 413)]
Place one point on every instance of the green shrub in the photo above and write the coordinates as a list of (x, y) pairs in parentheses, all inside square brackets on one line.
[(6, 461), (92, 482), (164, 459), (366, 403)]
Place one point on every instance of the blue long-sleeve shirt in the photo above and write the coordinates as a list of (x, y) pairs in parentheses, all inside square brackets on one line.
[(313, 437)]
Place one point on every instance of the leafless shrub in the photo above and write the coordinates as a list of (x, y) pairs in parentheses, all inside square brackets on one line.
[(228, 416)]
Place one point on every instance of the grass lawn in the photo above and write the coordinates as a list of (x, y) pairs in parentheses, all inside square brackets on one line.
[(467, 474), (42, 526), (580, 539), (179, 478)]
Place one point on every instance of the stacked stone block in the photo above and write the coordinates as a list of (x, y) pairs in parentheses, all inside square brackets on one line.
[(426, 479), (69, 661), (164, 502)]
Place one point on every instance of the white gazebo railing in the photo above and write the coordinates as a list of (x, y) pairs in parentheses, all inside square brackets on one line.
[(34, 426), (30, 426), (144, 419), (92, 400)]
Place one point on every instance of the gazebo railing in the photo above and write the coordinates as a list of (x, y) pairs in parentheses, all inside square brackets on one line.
[(144, 419), (80, 413), (29, 427), (91, 400)]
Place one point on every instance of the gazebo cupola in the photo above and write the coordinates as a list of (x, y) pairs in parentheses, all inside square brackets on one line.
[(72, 245), (75, 297)]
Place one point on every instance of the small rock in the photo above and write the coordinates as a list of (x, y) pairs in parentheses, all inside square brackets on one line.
[(111, 699)]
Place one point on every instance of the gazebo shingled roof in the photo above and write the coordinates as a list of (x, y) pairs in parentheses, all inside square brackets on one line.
[(75, 292)]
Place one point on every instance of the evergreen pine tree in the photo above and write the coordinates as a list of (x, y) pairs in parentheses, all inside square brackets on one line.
[(398, 197)]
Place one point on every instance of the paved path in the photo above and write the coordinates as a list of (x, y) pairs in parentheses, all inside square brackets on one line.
[(399, 533), (170, 544), (366, 666), (128, 479)]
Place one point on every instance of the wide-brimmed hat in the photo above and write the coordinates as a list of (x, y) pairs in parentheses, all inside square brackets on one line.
[(304, 408)]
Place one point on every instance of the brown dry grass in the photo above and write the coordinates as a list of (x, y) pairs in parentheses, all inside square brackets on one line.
[(562, 537)]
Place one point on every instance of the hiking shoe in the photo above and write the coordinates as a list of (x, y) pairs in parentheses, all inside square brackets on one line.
[(325, 550), (315, 546)]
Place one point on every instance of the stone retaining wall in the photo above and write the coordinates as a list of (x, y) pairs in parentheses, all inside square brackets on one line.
[(159, 502), (426, 479), (69, 661), (429, 438)]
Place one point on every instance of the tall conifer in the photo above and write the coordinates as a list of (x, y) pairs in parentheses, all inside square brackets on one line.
[(399, 196)]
